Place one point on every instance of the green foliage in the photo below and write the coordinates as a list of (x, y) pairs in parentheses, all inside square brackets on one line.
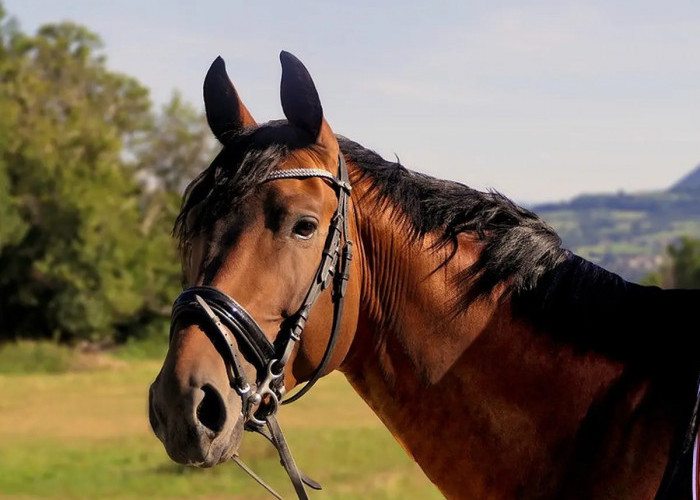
[(151, 343), (89, 188), (35, 357), (177, 148), (684, 268), (625, 233), (681, 267)]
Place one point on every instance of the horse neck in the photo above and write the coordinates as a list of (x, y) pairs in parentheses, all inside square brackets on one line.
[(407, 294), (510, 393), (405, 357)]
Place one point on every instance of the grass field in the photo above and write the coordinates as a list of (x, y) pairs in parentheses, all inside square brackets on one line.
[(85, 435)]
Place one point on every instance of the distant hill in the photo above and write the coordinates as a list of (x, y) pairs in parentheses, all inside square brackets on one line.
[(627, 233), (690, 182)]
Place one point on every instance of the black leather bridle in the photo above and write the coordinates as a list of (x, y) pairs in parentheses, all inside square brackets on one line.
[(261, 398)]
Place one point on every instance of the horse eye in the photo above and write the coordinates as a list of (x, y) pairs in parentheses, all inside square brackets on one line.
[(304, 228)]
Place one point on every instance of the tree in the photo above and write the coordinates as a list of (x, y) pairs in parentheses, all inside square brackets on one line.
[(176, 148), (682, 269), (685, 263), (77, 258), (12, 227)]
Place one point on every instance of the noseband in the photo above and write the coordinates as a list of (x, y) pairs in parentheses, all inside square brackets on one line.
[(261, 398)]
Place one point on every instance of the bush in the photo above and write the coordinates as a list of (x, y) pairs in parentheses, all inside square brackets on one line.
[(35, 357)]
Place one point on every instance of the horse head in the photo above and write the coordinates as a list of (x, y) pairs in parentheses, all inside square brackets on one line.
[(266, 244)]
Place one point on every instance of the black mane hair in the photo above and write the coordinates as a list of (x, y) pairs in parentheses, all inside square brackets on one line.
[(575, 300), (242, 164), (517, 246), (593, 309)]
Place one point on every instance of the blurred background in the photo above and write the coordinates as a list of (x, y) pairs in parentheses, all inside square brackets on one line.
[(588, 115)]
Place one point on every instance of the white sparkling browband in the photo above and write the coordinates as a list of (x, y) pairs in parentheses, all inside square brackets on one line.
[(296, 173)]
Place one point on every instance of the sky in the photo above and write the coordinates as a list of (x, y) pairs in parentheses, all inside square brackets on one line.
[(539, 100)]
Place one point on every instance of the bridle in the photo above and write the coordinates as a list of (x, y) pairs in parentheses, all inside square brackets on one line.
[(262, 398), (686, 455)]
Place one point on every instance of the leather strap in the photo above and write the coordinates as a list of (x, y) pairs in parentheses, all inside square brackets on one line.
[(269, 436), (257, 478), (234, 367), (682, 458), (233, 315), (696, 451), (308, 481), (341, 277), (694, 482), (286, 457)]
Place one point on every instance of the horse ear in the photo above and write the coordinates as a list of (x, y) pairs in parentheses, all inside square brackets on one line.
[(300, 101), (226, 113)]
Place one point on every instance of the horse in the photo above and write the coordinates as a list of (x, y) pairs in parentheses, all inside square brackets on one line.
[(504, 364)]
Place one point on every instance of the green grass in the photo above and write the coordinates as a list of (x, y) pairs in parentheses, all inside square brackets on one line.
[(35, 357), (25, 357), (351, 464), (84, 435), (153, 347)]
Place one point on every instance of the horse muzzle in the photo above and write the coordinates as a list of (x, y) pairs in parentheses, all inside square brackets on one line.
[(199, 422)]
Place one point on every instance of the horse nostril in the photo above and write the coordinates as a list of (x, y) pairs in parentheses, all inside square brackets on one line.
[(211, 412)]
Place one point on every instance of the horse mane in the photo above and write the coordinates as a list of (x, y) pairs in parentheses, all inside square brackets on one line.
[(592, 309), (518, 247), (242, 164), (574, 300), (555, 289)]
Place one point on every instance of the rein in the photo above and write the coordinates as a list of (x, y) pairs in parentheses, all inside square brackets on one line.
[(686, 456), (261, 399)]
